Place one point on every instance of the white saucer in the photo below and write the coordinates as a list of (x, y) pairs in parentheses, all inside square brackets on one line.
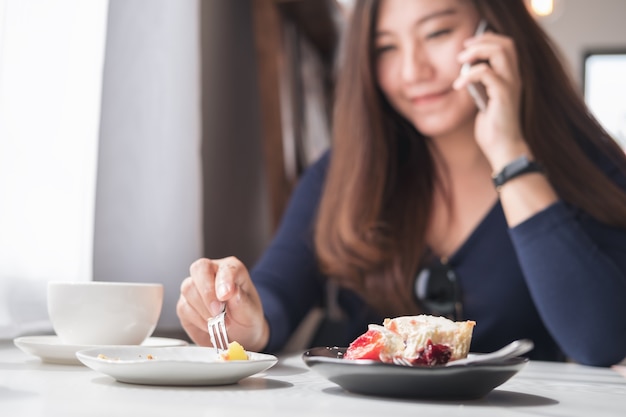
[(172, 366), (51, 350)]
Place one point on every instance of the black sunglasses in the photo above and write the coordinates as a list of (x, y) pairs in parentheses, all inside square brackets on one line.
[(437, 289)]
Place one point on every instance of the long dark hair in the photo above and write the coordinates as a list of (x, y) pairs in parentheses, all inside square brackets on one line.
[(370, 232)]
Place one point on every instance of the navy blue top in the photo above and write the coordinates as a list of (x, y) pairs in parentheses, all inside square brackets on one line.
[(559, 278)]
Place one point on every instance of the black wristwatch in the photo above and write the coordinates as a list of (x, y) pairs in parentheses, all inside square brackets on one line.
[(517, 167)]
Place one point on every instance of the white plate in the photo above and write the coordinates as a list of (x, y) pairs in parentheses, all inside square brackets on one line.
[(52, 350), (189, 365)]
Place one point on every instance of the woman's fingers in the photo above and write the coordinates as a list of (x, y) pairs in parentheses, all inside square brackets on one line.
[(245, 321), (192, 322), (197, 295), (492, 54), (497, 129), (498, 89), (201, 292), (230, 274), (214, 284), (496, 49)]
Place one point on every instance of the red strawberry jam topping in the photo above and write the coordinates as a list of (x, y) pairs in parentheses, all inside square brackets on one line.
[(367, 346), (433, 354)]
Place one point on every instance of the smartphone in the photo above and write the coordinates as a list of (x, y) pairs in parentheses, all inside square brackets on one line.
[(477, 90)]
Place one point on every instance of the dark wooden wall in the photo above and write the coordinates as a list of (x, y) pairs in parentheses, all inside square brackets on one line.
[(318, 22)]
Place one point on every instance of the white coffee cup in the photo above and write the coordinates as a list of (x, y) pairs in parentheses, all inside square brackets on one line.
[(104, 313)]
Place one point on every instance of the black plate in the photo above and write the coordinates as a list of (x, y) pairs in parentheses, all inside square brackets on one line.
[(369, 377)]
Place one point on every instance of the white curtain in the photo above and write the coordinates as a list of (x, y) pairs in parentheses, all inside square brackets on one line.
[(51, 60)]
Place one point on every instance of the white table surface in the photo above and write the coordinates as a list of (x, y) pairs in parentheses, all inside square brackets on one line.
[(29, 387)]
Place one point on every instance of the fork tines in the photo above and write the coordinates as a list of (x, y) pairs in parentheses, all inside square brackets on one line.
[(401, 360), (217, 332)]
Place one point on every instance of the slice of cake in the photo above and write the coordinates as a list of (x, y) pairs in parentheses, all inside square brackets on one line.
[(422, 340)]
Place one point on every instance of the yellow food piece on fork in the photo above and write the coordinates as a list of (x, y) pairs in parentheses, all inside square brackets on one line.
[(235, 352)]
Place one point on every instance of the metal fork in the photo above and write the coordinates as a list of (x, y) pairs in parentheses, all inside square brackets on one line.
[(217, 331), (401, 360), (512, 350)]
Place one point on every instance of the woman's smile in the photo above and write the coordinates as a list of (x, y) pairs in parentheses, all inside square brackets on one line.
[(430, 98)]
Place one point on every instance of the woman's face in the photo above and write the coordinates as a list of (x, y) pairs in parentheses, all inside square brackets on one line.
[(416, 44)]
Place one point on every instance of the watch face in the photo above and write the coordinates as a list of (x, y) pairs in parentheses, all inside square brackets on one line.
[(518, 164)]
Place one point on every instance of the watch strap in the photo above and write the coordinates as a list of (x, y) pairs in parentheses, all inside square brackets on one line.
[(514, 169)]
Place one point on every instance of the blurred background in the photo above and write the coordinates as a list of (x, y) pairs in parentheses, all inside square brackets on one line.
[(139, 135)]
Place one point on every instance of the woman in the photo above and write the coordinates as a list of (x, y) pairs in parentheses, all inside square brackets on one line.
[(404, 215)]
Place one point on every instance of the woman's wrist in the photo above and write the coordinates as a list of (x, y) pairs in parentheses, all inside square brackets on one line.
[(500, 158), (520, 166)]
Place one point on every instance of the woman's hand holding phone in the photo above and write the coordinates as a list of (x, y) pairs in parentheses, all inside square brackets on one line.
[(491, 66)]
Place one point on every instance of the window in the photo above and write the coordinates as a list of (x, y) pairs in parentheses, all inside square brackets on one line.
[(51, 61), (605, 89)]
